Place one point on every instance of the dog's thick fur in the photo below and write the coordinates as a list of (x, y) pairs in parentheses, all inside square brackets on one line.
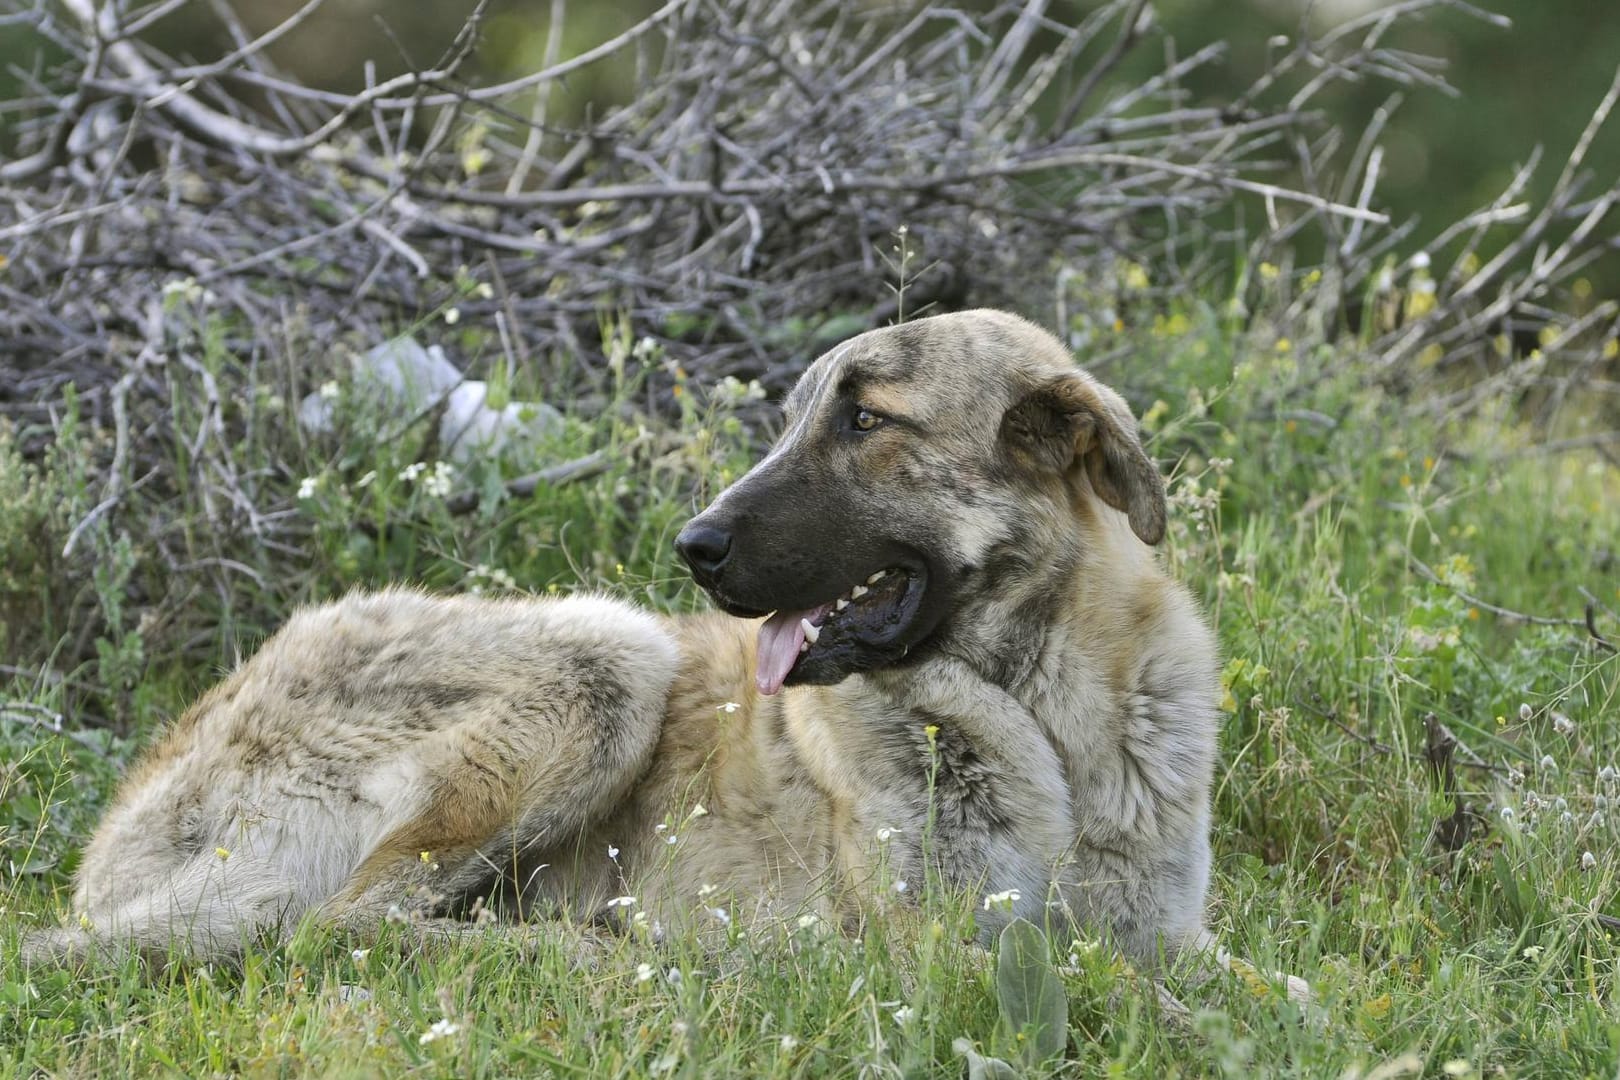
[(398, 752)]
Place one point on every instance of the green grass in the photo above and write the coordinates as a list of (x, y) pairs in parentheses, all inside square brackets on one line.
[(1305, 506)]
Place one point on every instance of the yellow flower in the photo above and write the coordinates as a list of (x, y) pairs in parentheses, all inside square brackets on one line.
[(1377, 1008), (1135, 277), (1283, 344), (1268, 271), (223, 853)]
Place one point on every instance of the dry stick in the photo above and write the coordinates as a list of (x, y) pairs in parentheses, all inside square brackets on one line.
[(581, 468), (539, 109), (1507, 613), (1128, 32)]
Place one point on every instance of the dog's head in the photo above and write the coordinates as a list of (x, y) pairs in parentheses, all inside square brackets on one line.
[(921, 467)]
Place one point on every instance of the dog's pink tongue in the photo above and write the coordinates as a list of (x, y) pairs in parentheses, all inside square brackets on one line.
[(779, 641)]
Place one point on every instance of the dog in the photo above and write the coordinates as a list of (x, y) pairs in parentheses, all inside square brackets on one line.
[(943, 645)]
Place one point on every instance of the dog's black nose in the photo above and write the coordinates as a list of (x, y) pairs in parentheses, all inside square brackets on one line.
[(705, 550)]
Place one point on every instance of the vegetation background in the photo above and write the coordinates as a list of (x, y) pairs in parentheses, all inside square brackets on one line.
[(1391, 457)]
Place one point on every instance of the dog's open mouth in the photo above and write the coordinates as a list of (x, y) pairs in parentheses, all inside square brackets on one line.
[(824, 639)]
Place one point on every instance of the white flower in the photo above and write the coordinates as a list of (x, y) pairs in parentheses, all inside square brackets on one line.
[(705, 891), (1525, 712), (1548, 764), (1002, 899), (904, 1014), (441, 1029), (1563, 724), (622, 901), (452, 316), (884, 834), (808, 920), (1531, 952), (698, 811), (721, 915), (330, 390), (306, 487), (901, 886), (789, 1044), (483, 290), (1588, 861), (1420, 261), (1507, 813), (674, 976), (440, 480), (359, 955), (613, 852), (672, 839), (644, 972), (412, 471), (1596, 820), (1457, 1067), (1607, 774)]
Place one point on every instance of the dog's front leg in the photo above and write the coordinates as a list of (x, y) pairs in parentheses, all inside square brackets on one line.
[(1001, 817)]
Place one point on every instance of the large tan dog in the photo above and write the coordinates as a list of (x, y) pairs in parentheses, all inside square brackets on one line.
[(951, 542)]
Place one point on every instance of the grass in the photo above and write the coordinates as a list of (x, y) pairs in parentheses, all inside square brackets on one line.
[(1348, 562)]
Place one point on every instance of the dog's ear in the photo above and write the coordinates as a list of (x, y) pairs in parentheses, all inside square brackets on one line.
[(1072, 422)]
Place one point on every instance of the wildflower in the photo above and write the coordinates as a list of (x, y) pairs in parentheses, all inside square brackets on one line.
[(1548, 764), (644, 973), (901, 886), (904, 1015), (885, 834), (1607, 774), (789, 1044), (1525, 712), (1002, 899), (1531, 952), (1457, 1067), (483, 290), (359, 955), (452, 316), (644, 348), (613, 852), (705, 891), (441, 1029), (1588, 861), (1560, 805), (439, 481), (1507, 813), (671, 839), (306, 487), (622, 901), (395, 916), (412, 471), (1563, 724), (222, 853), (330, 390), (721, 915), (698, 811), (1420, 261), (674, 976), (1596, 820), (1268, 271), (808, 920)]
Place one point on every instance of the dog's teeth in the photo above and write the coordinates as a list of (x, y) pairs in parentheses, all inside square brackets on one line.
[(840, 604), (877, 577), (804, 646), (857, 592), (811, 631)]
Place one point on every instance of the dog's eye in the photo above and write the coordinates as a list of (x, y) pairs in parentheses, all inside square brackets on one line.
[(865, 420)]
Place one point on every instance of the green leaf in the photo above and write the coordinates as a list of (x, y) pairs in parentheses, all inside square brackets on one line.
[(1033, 1003)]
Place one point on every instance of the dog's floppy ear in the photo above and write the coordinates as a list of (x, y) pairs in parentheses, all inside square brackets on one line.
[(1072, 422)]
